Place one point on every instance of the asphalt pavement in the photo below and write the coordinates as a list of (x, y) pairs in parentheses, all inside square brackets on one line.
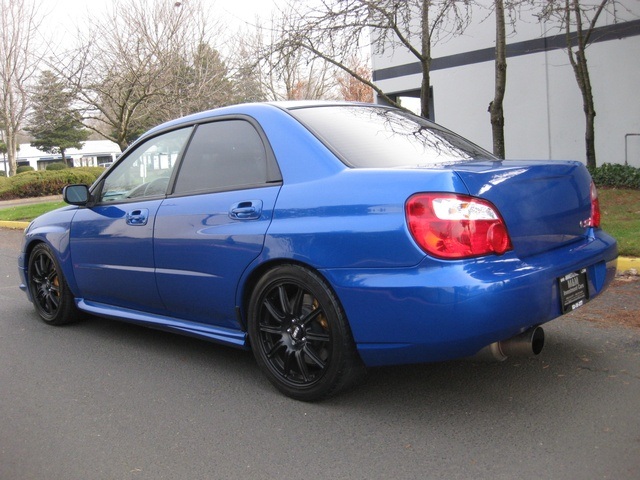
[(108, 400)]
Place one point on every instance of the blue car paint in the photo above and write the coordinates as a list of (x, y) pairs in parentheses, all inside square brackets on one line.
[(51, 228), (353, 219), (557, 200), (442, 310), (113, 260), (403, 306), (217, 248), (228, 336)]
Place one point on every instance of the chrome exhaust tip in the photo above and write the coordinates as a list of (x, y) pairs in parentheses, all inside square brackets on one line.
[(528, 343)]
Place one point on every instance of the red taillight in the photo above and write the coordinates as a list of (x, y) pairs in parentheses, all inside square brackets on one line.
[(594, 219), (456, 226)]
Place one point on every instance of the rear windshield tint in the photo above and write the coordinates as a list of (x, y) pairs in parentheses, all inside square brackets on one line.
[(380, 137)]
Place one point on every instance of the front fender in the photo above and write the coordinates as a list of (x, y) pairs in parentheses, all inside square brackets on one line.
[(53, 229)]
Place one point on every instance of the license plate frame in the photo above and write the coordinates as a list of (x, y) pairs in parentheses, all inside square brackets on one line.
[(574, 290)]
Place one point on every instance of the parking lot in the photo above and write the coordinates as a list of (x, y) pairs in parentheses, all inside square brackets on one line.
[(102, 400)]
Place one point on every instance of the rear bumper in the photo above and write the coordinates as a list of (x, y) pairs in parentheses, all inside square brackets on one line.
[(442, 310)]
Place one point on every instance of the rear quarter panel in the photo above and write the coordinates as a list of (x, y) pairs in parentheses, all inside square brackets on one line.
[(354, 218)]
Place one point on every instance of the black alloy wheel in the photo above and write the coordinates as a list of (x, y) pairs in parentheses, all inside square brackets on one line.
[(300, 336), (48, 288)]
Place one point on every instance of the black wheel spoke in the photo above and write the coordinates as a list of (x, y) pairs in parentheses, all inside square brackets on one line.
[(37, 266), (45, 267), (308, 351), (286, 366), (277, 346), (277, 315), (52, 303), (312, 315), (317, 337), (302, 366), (284, 299), (40, 295), (271, 329), (296, 305)]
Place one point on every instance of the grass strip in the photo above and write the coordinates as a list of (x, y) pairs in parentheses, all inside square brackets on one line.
[(26, 213)]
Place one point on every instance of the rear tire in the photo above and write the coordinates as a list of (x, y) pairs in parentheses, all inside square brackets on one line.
[(51, 296), (300, 335)]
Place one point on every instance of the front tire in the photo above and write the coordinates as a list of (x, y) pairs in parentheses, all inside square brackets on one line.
[(51, 296), (300, 336)]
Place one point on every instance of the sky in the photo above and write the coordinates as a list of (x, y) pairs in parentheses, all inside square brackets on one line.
[(64, 15)]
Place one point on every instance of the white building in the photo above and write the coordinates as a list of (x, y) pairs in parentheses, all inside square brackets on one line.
[(543, 106), (92, 154)]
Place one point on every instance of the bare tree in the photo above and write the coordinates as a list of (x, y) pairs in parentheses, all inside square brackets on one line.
[(19, 21), (200, 81), (246, 66), (287, 72), (303, 79), (352, 89), (152, 61), (336, 30), (496, 106), (578, 19)]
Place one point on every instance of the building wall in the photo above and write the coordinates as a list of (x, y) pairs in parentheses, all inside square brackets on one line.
[(543, 105), (92, 153)]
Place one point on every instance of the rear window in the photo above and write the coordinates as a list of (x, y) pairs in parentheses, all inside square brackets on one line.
[(381, 137)]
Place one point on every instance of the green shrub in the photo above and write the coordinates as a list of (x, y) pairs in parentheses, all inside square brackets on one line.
[(3, 173), (95, 171), (616, 176), (41, 183), (56, 166), (24, 168)]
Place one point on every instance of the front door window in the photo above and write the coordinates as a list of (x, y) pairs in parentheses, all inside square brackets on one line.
[(146, 171)]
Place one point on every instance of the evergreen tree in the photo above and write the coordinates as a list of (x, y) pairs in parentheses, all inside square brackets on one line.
[(54, 125)]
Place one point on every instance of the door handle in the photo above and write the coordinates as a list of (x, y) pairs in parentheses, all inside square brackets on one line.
[(137, 217), (249, 210)]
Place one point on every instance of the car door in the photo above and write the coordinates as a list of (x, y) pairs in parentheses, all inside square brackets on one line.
[(111, 243), (213, 225)]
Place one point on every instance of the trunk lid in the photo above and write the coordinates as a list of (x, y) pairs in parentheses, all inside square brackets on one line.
[(544, 204)]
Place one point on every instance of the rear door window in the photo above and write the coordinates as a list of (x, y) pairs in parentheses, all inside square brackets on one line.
[(223, 155)]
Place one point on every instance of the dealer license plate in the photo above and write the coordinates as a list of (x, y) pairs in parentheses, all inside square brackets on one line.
[(574, 291)]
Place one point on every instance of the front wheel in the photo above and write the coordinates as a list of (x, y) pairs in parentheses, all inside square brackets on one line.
[(300, 336), (51, 296)]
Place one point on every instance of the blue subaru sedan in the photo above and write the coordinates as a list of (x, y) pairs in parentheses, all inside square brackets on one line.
[(325, 237)]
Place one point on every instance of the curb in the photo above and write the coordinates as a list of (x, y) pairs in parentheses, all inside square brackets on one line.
[(624, 263), (13, 225)]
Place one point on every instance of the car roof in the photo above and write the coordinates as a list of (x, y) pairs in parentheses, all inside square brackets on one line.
[(244, 109)]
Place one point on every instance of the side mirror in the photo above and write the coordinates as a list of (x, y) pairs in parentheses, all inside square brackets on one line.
[(76, 195)]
